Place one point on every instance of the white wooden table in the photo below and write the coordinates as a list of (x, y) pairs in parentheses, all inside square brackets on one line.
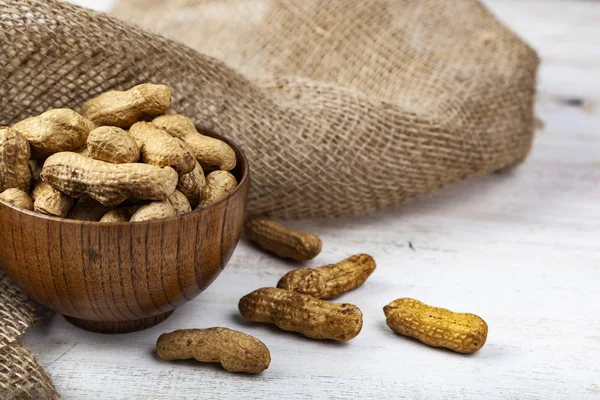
[(522, 250)]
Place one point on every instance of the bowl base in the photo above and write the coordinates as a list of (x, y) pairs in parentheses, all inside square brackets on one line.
[(118, 326)]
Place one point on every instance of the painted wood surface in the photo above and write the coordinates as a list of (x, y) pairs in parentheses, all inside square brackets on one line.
[(522, 250)]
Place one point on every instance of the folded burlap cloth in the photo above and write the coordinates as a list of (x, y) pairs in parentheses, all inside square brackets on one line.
[(21, 377), (342, 107)]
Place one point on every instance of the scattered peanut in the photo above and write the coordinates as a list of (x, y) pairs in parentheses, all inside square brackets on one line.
[(291, 311), (218, 185), (109, 184), (54, 131), (283, 241), (192, 184), (17, 198), (124, 108), (14, 160), (161, 149), (235, 351), (438, 327), (121, 214), (47, 200), (179, 202), (113, 145), (87, 209), (332, 280), (155, 210), (211, 153)]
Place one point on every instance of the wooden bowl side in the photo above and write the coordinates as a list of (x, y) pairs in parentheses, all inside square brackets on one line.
[(121, 271)]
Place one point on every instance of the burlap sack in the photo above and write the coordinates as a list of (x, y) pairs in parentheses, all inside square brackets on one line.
[(21, 377), (17, 313), (349, 106), (389, 99)]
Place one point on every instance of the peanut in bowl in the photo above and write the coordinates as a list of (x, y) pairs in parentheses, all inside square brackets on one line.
[(122, 276)]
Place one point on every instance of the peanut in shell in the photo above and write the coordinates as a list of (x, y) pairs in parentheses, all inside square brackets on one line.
[(295, 312), (332, 280), (437, 327), (282, 241), (17, 198), (124, 108), (110, 184), (14, 160), (234, 350)]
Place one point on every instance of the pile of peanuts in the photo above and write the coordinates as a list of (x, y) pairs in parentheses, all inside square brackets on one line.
[(121, 158), (299, 304)]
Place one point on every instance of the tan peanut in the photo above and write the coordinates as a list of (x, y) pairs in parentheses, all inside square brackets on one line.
[(159, 148), (211, 153), (109, 184), (234, 350), (54, 131), (14, 161), (124, 108), (192, 184), (179, 202), (87, 209), (121, 214), (17, 198), (332, 280), (291, 311), (438, 327), (282, 241), (47, 200), (113, 145), (218, 185), (155, 210)]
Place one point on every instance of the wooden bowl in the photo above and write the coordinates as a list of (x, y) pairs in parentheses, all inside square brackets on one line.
[(122, 277)]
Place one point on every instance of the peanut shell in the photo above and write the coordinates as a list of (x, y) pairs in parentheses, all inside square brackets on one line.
[(110, 184), (235, 351), (437, 327), (282, 241), (332, 280), (291, 311)]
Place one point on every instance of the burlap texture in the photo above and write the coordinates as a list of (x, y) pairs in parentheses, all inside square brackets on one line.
[(347, 106), (21, 377), (17, 313), (389, 99)]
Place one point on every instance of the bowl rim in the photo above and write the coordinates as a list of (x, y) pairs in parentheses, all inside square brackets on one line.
[(242, 160)]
